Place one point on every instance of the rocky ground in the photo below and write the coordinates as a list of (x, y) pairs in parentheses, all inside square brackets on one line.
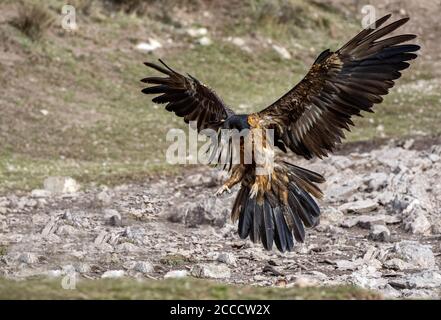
[(380, 228)]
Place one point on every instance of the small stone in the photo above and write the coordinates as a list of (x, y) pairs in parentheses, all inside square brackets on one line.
[(127, 247), (331, 216), (199, 179), (54, 273), (415, 220), (361, 206), (238, 41), (434, 157), (390, 292), (367, 277), (82, 268), (341, 191), (66, 230), (227, 257), (408, 144), (380, 233), (149, 46), (197, 214), (113, 274), (40, 193), (283, 52), (377, 181), (176, 274), (363, 221), (416, 254), (113, 217), (396, 264), (205, 41), (28, 258), (68, 269), (104, 198), (427, 279), (143, 267), (197, 32), (60, 185), (305, 282), (214, 271), (348, 265)]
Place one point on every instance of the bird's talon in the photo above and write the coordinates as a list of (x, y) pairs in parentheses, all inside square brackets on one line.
[(221, 190)]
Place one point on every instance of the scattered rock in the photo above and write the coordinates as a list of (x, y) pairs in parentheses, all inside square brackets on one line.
[(40, 193), (434, 157), (197, 214), (59, 185), (376, 181), (200, 179), (66, 230), (416, 254), (104, 198), (363, 221), (143, 267), (28, 258), (113, 274), (149, 46), (305, 282), (361, 206), (415, 220), (379, 233), (349, 265), (390, 292), (331, 216), (396, 264), (113, 217), (341, 190), (82, 267), (237, 41), (271, 270), (367, 277), (283, 52), (427, 279), (214, 271), (228, 258), (176, 274), (197, 32), (127, 247), (205, 41), (241, 43)]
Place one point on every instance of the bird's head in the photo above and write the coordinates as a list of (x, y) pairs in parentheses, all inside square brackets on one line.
[(236, 121)]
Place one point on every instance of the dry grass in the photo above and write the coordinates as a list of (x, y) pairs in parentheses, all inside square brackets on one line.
[(33, 19)]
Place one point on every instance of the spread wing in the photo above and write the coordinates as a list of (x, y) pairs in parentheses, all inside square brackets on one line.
[(187, 97), (310, 118)]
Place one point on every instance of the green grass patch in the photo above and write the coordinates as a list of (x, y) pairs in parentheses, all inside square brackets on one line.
[(168, 289)]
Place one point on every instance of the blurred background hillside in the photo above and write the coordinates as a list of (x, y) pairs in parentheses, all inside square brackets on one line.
[(70, 102)]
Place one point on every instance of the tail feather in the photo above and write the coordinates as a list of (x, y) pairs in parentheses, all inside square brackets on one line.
[(267, 226), (283, 238), (274, 218), (257, 220)]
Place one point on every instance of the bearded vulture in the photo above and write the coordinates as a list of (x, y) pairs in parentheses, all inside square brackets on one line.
[(275, 206)]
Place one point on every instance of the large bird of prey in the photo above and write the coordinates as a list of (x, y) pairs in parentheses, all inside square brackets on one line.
[(309, 120)]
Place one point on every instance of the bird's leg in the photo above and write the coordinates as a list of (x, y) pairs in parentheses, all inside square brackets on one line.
[(236, 176)]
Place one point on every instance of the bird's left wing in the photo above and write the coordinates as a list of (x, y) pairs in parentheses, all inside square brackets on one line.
[(310, 118), (187, 97)]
